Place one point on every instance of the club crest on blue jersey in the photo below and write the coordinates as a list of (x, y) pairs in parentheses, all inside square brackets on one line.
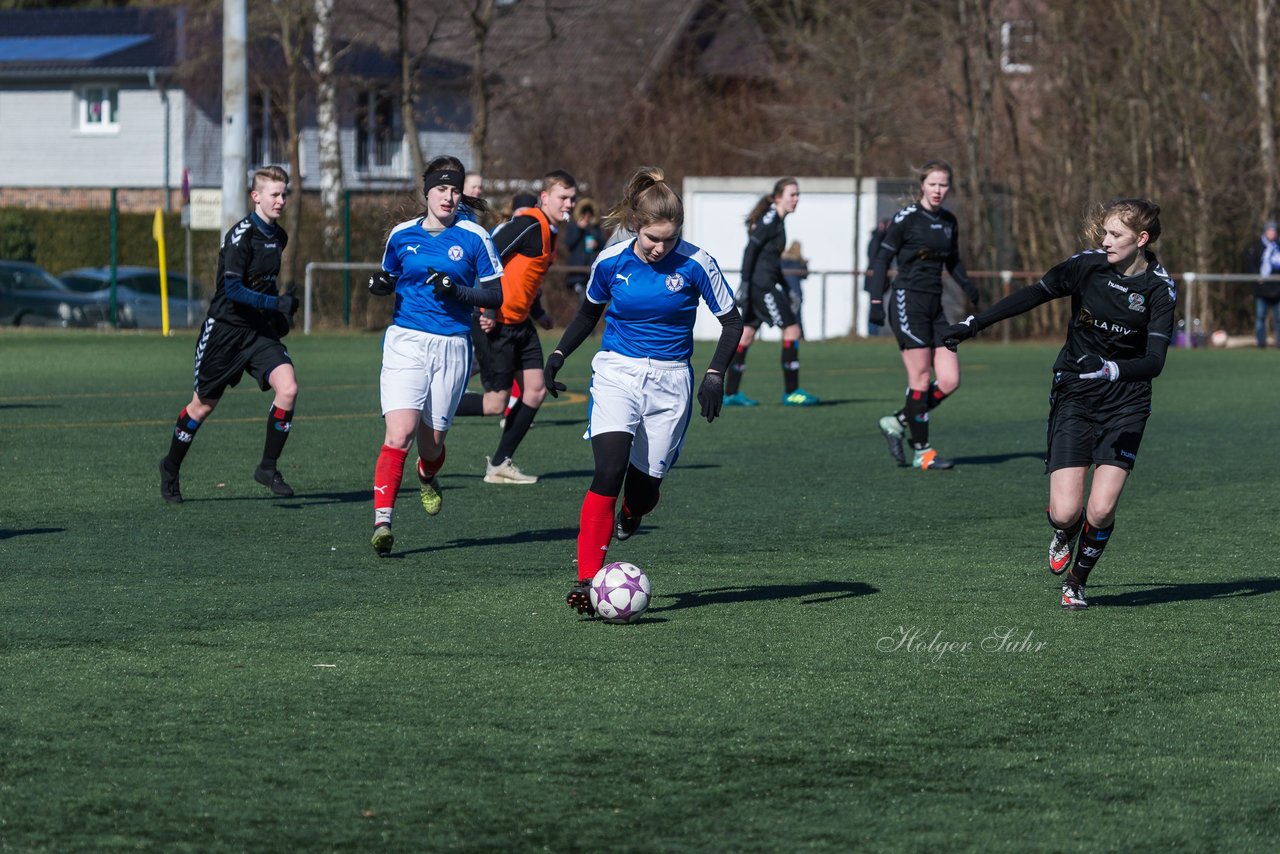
[(675, 282), (455, 252)]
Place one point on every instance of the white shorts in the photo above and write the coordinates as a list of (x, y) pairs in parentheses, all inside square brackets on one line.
[(426, 372), (647, 398)]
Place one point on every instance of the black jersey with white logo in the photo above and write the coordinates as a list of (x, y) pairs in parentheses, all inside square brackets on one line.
[(922, 242), (1112, 316), (250, 255), (762, 259)]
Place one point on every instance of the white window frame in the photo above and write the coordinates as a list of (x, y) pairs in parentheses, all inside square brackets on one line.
[(1017, 40), (107, 97)]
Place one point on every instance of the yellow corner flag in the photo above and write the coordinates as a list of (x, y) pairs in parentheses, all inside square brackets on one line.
[(157, 231)]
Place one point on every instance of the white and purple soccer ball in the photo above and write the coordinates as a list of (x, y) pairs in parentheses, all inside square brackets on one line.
[(620, 592)]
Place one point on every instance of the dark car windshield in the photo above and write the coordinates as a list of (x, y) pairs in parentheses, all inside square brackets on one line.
[(20, 277), (141, 282)]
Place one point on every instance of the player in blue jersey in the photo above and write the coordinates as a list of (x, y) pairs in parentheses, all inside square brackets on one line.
[(440, 269), (764, 298), (642, 381), (1122, 314), (241, 334), (923, 238)]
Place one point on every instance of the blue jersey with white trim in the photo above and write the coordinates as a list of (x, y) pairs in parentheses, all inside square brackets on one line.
[(463, 252), (652, 307)]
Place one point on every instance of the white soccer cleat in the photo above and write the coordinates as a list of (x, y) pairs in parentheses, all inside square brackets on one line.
[(505, 472)]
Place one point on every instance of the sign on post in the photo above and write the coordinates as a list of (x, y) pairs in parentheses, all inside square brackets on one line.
[(206, 210)]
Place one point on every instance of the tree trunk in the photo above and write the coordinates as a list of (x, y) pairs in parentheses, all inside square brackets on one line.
[(481, 21), (1266, 123), (407, 98), (327, 121)]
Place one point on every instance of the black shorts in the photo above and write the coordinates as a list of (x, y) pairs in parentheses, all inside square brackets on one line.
[(771, 305), (1095, 422), (505, 351), (225, 352), (916, 318)]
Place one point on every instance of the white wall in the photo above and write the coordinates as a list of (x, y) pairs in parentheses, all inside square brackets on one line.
[(41, 144), (824, 223)]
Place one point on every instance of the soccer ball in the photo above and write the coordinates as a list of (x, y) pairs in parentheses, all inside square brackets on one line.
[(1219, 338), (620, 592)]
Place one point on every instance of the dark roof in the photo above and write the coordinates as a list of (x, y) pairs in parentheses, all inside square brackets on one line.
[(89, 42)]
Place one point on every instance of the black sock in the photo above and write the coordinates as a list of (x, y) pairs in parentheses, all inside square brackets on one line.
[(1070, 530), (517, 425), (511, 413), (472, 404), (917, 412), (936, 395), (736, 367), (279, 422), (790, 366), (1092, 542), (184, 433)]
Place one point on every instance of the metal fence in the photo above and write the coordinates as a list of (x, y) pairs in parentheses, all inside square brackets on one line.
[(836, 300)]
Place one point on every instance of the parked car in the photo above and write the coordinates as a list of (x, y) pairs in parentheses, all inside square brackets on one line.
[(30, 296), (138, 295)]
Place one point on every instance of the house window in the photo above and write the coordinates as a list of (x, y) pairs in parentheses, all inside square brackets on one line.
[(268, 133), (378, 133), (1017, 46), (99, 109)]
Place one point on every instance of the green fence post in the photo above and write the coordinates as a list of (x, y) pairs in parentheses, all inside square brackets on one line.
[(346, 256), (115, 215)]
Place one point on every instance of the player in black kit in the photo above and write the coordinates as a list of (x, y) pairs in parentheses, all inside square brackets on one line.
[(242, 332), (1122, 315), (923, 238), (764, 297)]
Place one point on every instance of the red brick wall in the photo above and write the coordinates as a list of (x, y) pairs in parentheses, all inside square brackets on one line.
[(129, 200)]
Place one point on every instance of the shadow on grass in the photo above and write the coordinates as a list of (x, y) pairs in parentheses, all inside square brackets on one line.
[(996, 459), (1186, 592), (820, 591), (24, 532), (541, 535)]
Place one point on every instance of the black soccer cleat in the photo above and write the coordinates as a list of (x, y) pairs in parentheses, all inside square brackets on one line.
[(894, 432), (170, 490), (625, 526), (579, 598), (273, 480)]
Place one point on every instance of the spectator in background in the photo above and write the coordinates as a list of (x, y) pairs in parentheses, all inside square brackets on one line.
[(583, 240), (1263, 258), (795, 269), (877, 237)]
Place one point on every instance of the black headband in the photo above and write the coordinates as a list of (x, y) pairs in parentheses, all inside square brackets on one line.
[(442, 178)]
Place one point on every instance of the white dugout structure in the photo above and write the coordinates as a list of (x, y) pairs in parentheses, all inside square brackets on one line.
[(833, 223)]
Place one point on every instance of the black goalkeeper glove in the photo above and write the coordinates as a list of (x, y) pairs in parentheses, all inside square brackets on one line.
[(875, 315), (962, 331), (287, 303), (554, 363), (711, 395), (382, 284), (441, 284)]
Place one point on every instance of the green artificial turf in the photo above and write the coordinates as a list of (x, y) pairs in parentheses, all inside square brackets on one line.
[(841, 654)]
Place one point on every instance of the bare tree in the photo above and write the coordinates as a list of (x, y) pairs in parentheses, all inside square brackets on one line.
[(331, 181), (292, 20)]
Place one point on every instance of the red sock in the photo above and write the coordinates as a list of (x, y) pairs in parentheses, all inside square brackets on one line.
[(386, 476), (595, 527), (428, 469)]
